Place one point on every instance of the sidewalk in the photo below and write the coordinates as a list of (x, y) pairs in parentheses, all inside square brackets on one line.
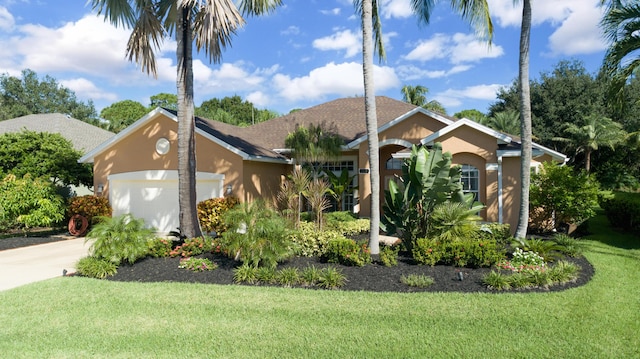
[(35, 263)]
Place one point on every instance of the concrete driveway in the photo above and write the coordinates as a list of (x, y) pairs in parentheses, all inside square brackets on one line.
[(25, 265)]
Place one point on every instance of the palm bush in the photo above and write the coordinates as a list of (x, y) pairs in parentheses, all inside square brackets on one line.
[(119, 239), (454, 220), (257, 235), (95, 267)]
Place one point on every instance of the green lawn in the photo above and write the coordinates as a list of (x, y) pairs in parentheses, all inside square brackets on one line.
[(86, 318)]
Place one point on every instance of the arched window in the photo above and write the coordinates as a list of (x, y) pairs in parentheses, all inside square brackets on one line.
[(394, 164), (471, 180)]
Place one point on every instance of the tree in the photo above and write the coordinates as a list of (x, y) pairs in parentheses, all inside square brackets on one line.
[(122, 114), (314, 146), (165, 100), (506, 122), (621, 24), (525, 121), (43, 154), (596, 131), (30, 95), (210, 23), (234, 111), (417, 95), (472, 114)]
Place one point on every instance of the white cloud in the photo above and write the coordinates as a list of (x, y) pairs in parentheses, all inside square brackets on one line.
[(412, 73), (7, 21), (259, 99), (86, 89), (452, 98), (345, 40), (343, 79), (291, 30), (334, 11), (395, 9), (459, 48), (575, 23)]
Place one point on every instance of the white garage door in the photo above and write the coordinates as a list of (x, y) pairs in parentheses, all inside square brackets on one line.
[(153, 195)]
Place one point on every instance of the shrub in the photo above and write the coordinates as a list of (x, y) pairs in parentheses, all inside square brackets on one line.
[(559, 196), (29, 202), (623, 211), (197, 264), (331, 278), (568, 245), (245, 274), (500, 232), (257, 235), (560, 273), (89, 206), (347, 252), (451, 221), (350, 228), (95, 267), (287, 277), (193, 247), (523, 261), (417, 280), (427, 251), (265, 275), (211, 213), (307, 241), (310, 276), (159, 247), (547, 249), (389, 255), (117, 239), (497, 280)]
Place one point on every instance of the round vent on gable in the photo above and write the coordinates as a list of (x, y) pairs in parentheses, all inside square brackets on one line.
[(162, 146)]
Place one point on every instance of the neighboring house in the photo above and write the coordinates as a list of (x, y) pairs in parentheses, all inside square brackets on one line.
[(138, 167), (83, 136)]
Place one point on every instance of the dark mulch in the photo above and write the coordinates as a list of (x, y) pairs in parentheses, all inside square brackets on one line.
[(373, 277), (18, 242)]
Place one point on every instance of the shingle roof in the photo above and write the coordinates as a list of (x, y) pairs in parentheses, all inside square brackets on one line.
[(82, 135)]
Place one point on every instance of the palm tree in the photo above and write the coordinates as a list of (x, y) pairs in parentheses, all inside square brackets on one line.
[(417, 95), (314, 146), (525, 121), (211, 23), (506, 122), (596, 131), (621, 25), (476, 11)]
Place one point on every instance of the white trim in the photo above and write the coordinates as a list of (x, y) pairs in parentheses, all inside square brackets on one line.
[(395, 141), (491, 167), (355, 143), (500, 190), (500, 137)]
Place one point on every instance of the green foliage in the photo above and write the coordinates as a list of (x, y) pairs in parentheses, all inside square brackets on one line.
[(43, 154), (31, 95), (310, 276), (560, 196), (119, 239), (257, 235), (309, 242), (29, 202), (192, 247), (467, 252), (165, 100), (233, 110), (523, 261), (245, 274), (331, 278), (417, 280), (389, 255), (562, 272), (348, 228), (212, 211), (623, 211), (89, 206), (314, 145), (197, 264), (427, 251), (122, 114), (429, 179), (547, 249), (472, 114), (347, 252), (339, 185), (265, 275), (159, 247), (568, 245), (95, 267), (500, 232), (454, 220), (287, 277), (497, 280)]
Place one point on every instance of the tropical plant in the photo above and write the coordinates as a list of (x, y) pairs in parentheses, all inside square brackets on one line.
[(416, 280), (476, 11), (287, 277), (331, 278), (257, 235), (211, 212), (428, 180), (211, 23), (454, 220), (620, 26), (316, 195), (506, 122), (29, 202), (89, 206), (119, 239), (313, 146), (417, 95), (347, 252), (197, 264), (340, 185), (562, 197), (596, 131), (292, 191), (94, 267)]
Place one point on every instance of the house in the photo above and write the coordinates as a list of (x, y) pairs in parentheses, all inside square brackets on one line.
[(138, 167), (82, 135)]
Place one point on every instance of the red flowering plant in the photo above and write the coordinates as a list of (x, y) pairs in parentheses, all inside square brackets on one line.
[(192, 247)]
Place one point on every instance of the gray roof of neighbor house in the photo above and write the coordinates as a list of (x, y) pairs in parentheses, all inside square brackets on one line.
[(83, 136)]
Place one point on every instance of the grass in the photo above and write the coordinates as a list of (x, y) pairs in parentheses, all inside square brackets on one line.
[(87, 318)]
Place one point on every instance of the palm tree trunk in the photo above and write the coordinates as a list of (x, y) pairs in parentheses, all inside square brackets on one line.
[(587, 160), (525, 121), (189, 225), (372, 123)]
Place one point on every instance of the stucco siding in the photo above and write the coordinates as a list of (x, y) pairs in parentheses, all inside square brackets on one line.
[(262, 180)]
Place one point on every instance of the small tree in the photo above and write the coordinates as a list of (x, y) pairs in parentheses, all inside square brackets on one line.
[(29, 202), (340, 185), (314, 146), (560, 196)]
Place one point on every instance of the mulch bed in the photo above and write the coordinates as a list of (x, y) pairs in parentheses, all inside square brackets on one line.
[(19, 242), (372, 277)]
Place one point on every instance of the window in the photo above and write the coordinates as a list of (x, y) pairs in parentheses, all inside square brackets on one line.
[(471, 181), (394, 164), (348, 198)]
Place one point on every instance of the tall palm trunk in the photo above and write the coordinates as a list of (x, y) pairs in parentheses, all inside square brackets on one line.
[(372, 122), (525, 121), (190, 226)]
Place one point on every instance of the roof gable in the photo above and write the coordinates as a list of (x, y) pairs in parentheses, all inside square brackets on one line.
[(500, 137)]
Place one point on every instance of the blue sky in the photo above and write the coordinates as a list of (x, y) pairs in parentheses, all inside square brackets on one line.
[(306, 53)]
